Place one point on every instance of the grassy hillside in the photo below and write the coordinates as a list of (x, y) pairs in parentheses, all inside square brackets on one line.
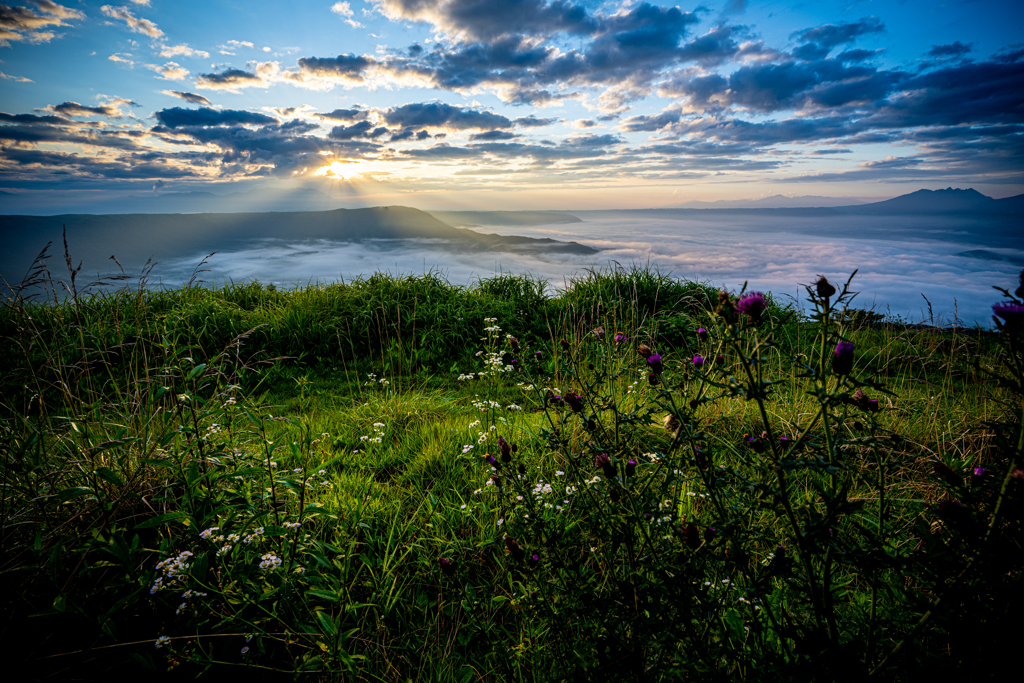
[(636, 478)]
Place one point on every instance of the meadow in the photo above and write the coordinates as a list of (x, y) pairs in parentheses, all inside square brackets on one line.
[(396, 478)]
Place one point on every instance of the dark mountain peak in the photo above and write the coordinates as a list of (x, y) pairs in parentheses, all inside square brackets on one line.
[(929, 201)]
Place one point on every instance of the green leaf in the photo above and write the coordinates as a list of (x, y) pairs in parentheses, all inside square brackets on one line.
[(73, 492), (196, 370), (327, 623), (108, 475), (161, 519)]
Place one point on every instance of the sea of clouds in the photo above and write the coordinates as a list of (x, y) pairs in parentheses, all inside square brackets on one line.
[(900, 268)]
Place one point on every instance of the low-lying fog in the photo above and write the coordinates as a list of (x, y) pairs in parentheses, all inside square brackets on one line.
[(900, 261)]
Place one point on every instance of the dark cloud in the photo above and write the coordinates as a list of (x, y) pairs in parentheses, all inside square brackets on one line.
[(363, 129), (532, 121), (344, 115), (347, 67), (177, 117), (229, 79), (441, 115), (109, 110), (829, 36), (188, 96), (950, 51), (21, 24), (493, 135)]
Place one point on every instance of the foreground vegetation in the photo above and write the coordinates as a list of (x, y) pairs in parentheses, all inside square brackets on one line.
[(636, 478)]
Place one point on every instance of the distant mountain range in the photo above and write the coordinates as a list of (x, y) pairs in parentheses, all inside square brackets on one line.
[(311, 199)]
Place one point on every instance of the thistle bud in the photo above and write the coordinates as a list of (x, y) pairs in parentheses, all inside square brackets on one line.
[(861, 398), (515, 344), (752, 305), (614, 495), (842, 359), (702, 334), (709, 534), (652, 379), (575, 402), (630, 467), (605, 463), (534, 560), (506, 450), (698, 361), (824, 288), (447, 566), (620, 339), (514, 550), (691, 534), (644, 350), (599, 332), (565, 346), (946, 473), (539, 356)]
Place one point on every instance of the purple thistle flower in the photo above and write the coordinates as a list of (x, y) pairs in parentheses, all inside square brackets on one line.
[(630, 467), (447, 566), (752, 305), (654, 360), (842, 360), (605, 463), (620, 338), (698, 361), (535, 559), (514, 549), (1012, 313), (979, 471), (575, 402), (709, 534), (492, 461), (539, 355), (702, 333), (506, 449)]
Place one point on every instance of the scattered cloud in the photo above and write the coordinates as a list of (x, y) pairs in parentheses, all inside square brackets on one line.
[(183, 51), (176, 117), (121, 59), (171, 71), (16, 79), (187, 96), (951, 51), (135, 24), (22, 24), (343, 10)]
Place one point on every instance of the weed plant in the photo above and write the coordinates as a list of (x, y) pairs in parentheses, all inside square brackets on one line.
[(635, 478)]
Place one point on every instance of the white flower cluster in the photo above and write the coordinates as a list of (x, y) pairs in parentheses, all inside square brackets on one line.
[(173, 569), (377, 436), (253, 536), (467, 448), (162, 641), (465, 377), (270, 561), (491, 326), (485, 405), (524, 386), (206, 534), (373, 380), (292, 525), (513, 406), (541, 489)]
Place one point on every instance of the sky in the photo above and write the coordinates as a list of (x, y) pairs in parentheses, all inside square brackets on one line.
[(505, 104)]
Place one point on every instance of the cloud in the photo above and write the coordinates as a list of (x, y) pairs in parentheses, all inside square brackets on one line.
[(344, 115), (363, 129), (828, 36), (441, 115), (343, 10), (171, 71), (110, 109), (137, 25), (121, 60), (344, 69), (182, 50), (21, 24), (951, 51), (230, 79), (493, 135), (176, 117), (16, 79), (532, 121), (187, 96)]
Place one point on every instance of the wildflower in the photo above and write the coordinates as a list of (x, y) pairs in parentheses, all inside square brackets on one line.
[(691, 534), (292, 525), (599, 332), (842, 360), (824, 288), (1012, 313), (654, 360), (565, 346), (873, 405), (698, 361), (514, 550), (951, 511), (245, 649), (725, 307), (506, 449), (575, 402), (208, 532), (534, 559), (652, 379), (644, 350), (752, 305), (702, 334), (709, 534), (467, 448), (270, 561), (447, 566), (620, 339), (630, 467), (492, 461), (539, 356), (605, 463), (162, 641)]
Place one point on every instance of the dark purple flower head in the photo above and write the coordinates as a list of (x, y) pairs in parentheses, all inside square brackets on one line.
[(575, 402), (514, 549), (565, 345), (506, 449), (952, 511), (620, 338), (652, 379), (698, 361), (873, 405), (1012, 313), (824, 288), (842, 360), (535, 559), (654, 360), (709, 534), (702, 333), (979, 471), (514, 343), (539, 355), (605, 463), (447, 566), (752, 305), (691, 534), (630, 467), (644, 350), (492, 461)]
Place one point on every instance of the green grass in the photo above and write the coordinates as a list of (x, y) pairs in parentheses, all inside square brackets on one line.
[(131, 421)]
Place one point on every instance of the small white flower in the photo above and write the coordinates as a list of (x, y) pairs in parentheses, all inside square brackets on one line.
[(161, 641)]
